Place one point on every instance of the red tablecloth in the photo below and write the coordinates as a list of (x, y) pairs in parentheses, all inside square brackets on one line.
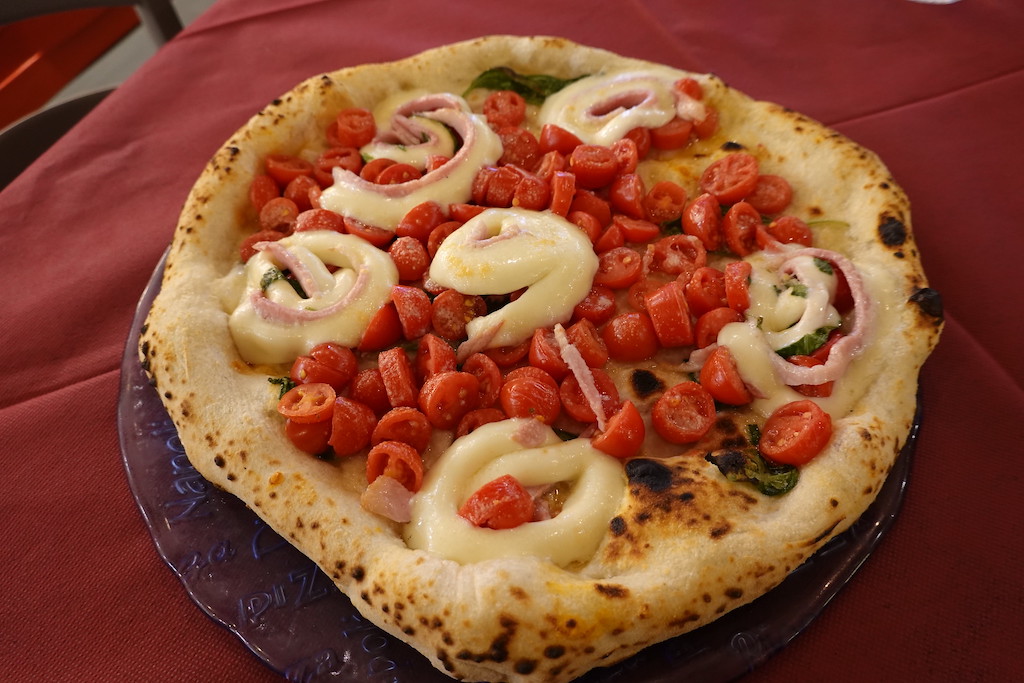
[(937, 90)]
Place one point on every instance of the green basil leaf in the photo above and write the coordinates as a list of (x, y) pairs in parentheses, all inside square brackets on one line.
[(285, 384), (747, 466), (807, 344), (272, 275), (824, 266), (534, 88)]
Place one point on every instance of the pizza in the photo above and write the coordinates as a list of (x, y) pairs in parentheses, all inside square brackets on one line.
[(543, 354)]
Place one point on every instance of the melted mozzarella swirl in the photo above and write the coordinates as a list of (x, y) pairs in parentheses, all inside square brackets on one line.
[(494, 450), (504, 250), (273, 323)]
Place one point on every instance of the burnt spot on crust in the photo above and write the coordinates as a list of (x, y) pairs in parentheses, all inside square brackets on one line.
[(929, 301), (554, 651), (649, 473), (617, 526), (734, 593), (645, 383), (525, 666), (892, 231), (611, 590), (498, 650), (720, 531), (358, 573), (218, 461), (731, 146)]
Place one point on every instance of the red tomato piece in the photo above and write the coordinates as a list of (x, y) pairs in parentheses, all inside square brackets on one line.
[(353, 127), (464, 212), (447, 396), (790, 230), (664, 202), (532, 372), (707, 126), (329, 363), (502, 185), (795, 433), (502, 503), (740, 227), (439, 234), (421, 220), (551, 162), (396, 174), (637, 230), (308, 403), (247, 248), (532, 193), (737, 285), (279, 214), (545, 354), (771, 194), (623, 435), (347, 158), (504, 108), (352, 424), (368, 388), (673, 135), (298, 191), (626, 152), (585, 200), (528, 396), (506, 356), (594, 165), (414, 310), (679, 255), (584, 336), (711, 323), (372, 169), (684, 413), (720, 376), (284, 168), (670, 315), (812, 390), (433, 355), (313, 438), (384, 330), (262, 189), (576, 404), (488, 375), (586, 222), (337, 357), (519, 147), (618, 268), (563, 188), (558, 139), (598, 306), (397, 460), (703, 219), (641, 137), (378, 237), (611, 238), (705, 290), (477, 418), (630, 337), (319, 219), (404, 424), (731, 178), (410, 257), (451, 311), (399, 381), (689, 87)]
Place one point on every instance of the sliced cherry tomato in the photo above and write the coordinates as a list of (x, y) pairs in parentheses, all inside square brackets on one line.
[(556, 138), (586, 222), (532, 193), (504, 108), (527, 396), (822, 352), (410, 257), (368, 388), (626, 152), (378, 237), (308, 403), (670, 315), (352, 424), (737, 285), (546, 355), (563, 187), (584, 336), (451, 311), (464, 212), (664, 202), (421, 220), (435, 161), (611, 238), (795, 433), (630, 337), (372, 169), (313, 438), (627, 194), (519, 147), (329, 363), (347, 158), (501, 503), (447, 396), (624, 433), (679, 255), (262, 189), (533, 373), (279, 214), (705, 290), (772, 194), (790, 230), (506, 356), (703, 219), (397, 460), (247, 248), (598, 306), (396, 174), (673, 135), (414, 309), (488, 376), (440, 234), (399, 381), (689, 87), (641, 137), (594, 165), (576, 404), (404, 424), (720, 376), (501, 186), (586, 200), (739, 226), (711, 323), (684, 413), (707, 126), (813, 390), (319, 219), (298, 191), (433, 355), (731, 178), (551, 162), (384, 330), (285, 168), (636, 230), (477, 418), (353, 127), (618, 268)]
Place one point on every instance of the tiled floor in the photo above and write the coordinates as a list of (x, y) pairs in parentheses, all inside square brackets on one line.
[(121, 60)]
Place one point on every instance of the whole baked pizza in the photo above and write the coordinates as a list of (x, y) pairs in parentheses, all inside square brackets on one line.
[(543, 354)]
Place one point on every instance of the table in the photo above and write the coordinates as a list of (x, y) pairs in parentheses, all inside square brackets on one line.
[(935, 89)]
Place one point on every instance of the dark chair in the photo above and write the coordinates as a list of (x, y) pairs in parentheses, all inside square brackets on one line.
[(22, 142)]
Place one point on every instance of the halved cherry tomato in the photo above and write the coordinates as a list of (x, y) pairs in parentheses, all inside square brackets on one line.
[(705, 290), (584, 336), (679, 255), (347, 158), (433, 355), (505, 356), (711, 323), (707, 126), (623, 435), (684, 413), (795, 433), (414, 310), (586, 222), (352, 424), (664, 202), (771, 194), (526, 396), (247, 248), (396, 174), (308, 403), (672, 135), (720, 376), (285, 168), (378, 237), (397, 460), (627, 195), (501, 503), (618, 268), (533, 373), (737, 285), (814, 390), (384, 330), (546, 355), (279, 214), (367, 387), (611, 238), (586, 200), (550, 163), (670, 315), (319, 219), (641, 137), (464, 212), (477, 418), (298, 191), (439, 234), (790, 230), (501, 186), (563, 187), (353, 127), (576, 404), (626, 152), (420, 220), (451, 310), (822, 352), (519, 147), (447, 396), (372, 169), (504, 108), (404, 424), (637, 230), (488, 375), (630, 337), (731, 178), (410, 257), (532, 193), (262, 189), (702, 218), (594, 165), (689, 87), (328, 363), (399, 381), (598, 306), (740, 226), (313, 438), (556, 138)]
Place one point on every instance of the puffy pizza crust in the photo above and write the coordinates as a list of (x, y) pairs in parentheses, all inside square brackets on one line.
[(685, 547)]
